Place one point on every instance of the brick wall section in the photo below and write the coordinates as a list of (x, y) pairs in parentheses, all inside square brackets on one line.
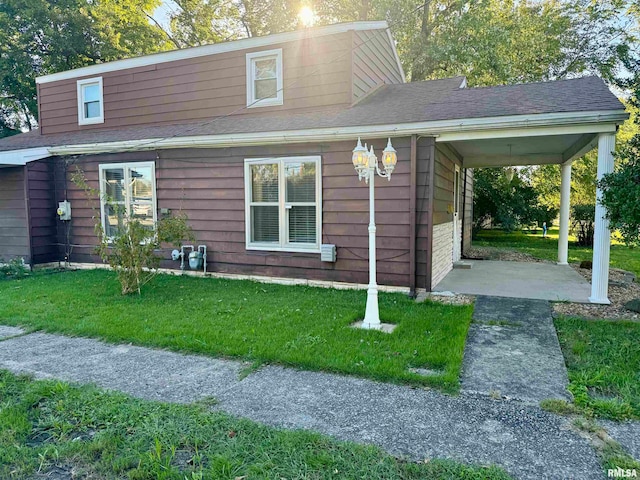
[(442, 255)]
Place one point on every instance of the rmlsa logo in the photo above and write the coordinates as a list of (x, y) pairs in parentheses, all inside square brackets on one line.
[(622, 473)]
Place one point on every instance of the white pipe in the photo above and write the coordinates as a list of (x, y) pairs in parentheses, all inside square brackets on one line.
[(565, 199), (602, 234)]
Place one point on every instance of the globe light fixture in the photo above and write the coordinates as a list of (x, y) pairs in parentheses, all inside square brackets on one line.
[(365, 163)]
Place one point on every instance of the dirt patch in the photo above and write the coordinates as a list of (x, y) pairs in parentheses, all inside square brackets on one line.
[(448, 298), (500, 254), (621, 290), (62, 472)]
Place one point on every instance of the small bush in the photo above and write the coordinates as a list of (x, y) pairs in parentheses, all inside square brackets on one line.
[(582, 224), (14, 268), (131, 251)]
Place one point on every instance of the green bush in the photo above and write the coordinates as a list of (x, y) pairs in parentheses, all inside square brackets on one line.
[(14, 268)]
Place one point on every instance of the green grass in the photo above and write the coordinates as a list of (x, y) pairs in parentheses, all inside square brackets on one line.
[(603, 360), (547, 248), (46, 425), (290, 325)]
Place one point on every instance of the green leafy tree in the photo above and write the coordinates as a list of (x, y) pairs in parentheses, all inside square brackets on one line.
[(508, 202), (621, 193), (38, 37)]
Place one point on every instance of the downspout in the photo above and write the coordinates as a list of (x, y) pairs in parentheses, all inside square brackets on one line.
[(430, 193), (27, 206), (412, 215)]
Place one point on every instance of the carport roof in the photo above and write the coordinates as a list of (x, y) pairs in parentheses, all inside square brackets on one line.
[(418, 102)]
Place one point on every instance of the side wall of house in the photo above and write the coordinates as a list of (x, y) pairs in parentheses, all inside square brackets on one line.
[(442, 251), (467, 229), (14, 220), (208, 185), (374, 62), (316, 74), (42, 211)]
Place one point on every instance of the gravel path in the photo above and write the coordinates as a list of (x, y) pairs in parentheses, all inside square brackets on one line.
[(528, 442)]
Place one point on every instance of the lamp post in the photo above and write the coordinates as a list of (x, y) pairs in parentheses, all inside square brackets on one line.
[(366, 164)]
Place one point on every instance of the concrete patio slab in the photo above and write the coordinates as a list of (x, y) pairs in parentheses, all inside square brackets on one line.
[(419, 424), (541, 281), (512, 350)]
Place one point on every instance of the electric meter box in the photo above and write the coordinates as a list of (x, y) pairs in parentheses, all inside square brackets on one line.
[(64, 210)]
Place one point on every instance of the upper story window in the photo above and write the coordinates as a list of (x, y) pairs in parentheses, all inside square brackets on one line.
[(127, 191), (90, 101), (264, 78), (283, 204)]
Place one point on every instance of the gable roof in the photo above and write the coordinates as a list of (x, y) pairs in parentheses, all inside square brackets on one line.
[(432, 103), (222, 47)]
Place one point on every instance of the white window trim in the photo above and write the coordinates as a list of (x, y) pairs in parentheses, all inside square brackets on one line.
[(127, 180), (82, 120), (284, 245), (253, 102)]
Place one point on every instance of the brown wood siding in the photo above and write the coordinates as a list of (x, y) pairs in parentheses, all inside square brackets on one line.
[(423, 256), (42, 211), (14, 222), (443, 184), (208, 185), (467, 226), (374, 63), (317, 74)]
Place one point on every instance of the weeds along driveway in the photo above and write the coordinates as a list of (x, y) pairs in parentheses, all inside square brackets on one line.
[(297, 326)]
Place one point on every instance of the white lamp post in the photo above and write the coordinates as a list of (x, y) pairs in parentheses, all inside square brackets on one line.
[(366, 164)]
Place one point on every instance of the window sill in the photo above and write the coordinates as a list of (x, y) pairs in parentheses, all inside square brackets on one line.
[(275, 102), (288, 249)]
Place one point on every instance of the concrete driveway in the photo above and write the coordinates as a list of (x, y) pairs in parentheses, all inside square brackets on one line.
[(539, 281)]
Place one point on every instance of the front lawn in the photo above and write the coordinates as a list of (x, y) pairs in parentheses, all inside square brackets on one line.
[(547, 248), (291, 325), (60, 431), (603, 360)]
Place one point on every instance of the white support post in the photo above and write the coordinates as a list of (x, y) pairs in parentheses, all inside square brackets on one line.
[(565, 200), (602, 234), (372, 315)]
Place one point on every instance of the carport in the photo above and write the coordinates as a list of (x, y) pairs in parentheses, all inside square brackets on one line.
[(536, 142)]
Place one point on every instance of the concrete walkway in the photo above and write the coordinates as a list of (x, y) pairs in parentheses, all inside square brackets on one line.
[(512, 350), (541, 281), (528, 442)]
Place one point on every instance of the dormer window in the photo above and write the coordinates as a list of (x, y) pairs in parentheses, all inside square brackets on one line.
[(90, 101), (264, 78)]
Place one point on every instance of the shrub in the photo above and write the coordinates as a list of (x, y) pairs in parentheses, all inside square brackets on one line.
[(132, 250), (14, 268), (582, 223)]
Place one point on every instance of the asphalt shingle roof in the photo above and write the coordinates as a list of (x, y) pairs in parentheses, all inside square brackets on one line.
[(391, 104)]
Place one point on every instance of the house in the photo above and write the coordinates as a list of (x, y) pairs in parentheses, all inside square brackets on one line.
[(252, 139)]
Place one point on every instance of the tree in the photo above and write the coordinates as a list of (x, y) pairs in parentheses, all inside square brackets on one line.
[(38, 37), (511, 203), (621, 193)]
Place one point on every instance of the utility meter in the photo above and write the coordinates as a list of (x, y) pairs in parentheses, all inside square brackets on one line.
[(64, 210)]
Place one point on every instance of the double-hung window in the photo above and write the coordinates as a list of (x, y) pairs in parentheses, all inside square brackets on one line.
[(264, 78), (283, 204), (90, 101), (127, 191)]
